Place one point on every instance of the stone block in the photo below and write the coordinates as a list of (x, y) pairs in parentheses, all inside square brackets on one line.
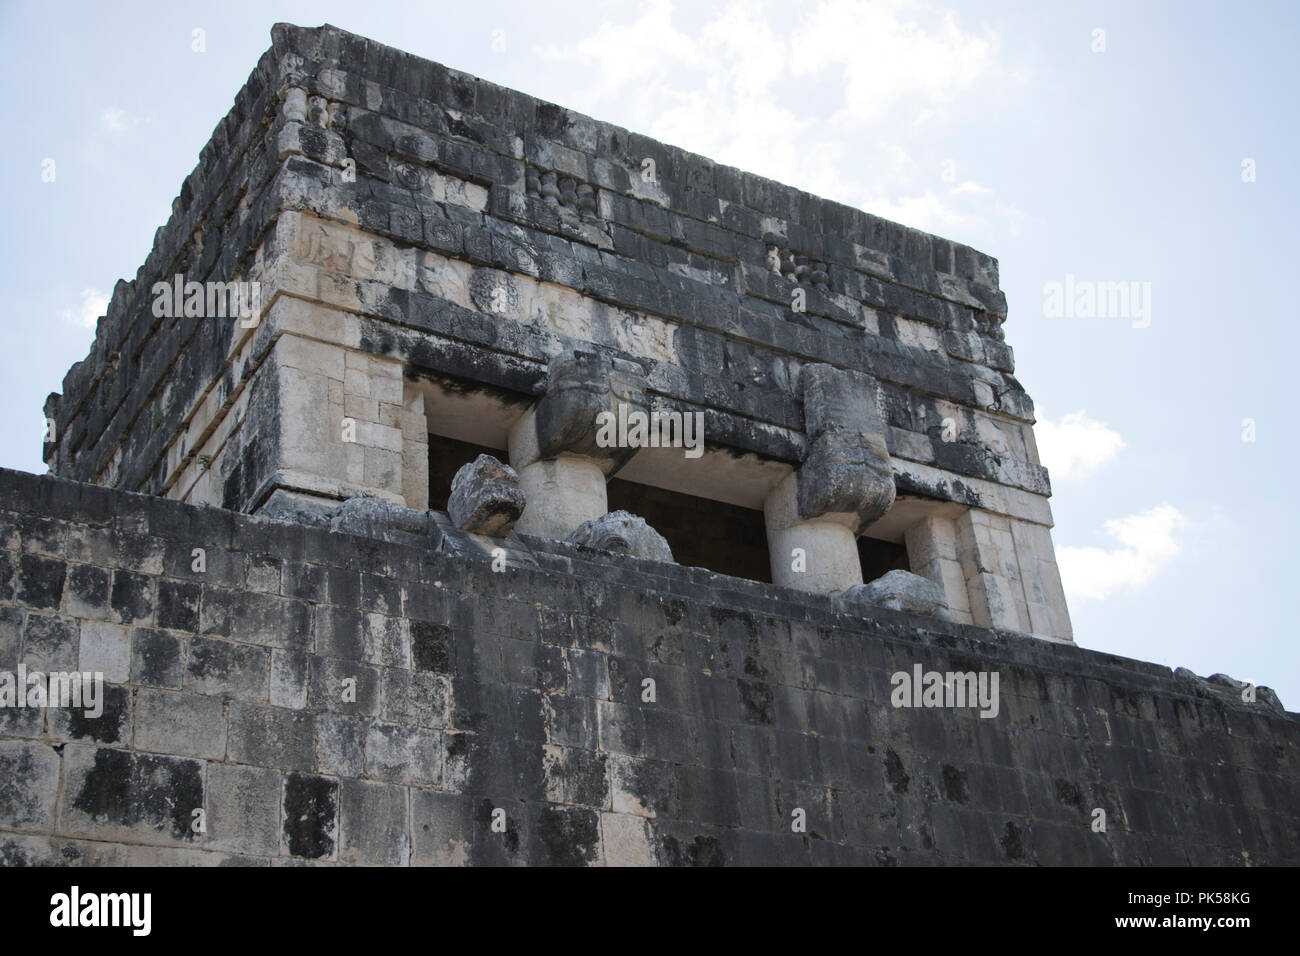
[(132, 597), (563, 836), (346, 687), (442, 829), (116, 795), (106, 649), (243, 812), (414, 698), (180, 723), (11, 636), (388, 640), (311, 816), (579, 386), (432, 647), (626, 840), (100, 713), (29, 783), (340, 745), (226, 667), (51, 642), (40, 582), (156, 658), (373, 824), (178, 605), (290, 672), (373, 518), (87, 591), (271, 736), (400, 754)]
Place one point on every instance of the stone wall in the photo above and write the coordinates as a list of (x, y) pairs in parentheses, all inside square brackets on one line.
[(522, 690)]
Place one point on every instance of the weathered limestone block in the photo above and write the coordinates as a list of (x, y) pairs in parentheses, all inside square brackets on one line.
[(376, 518), (414, 427), (29, 783), (847, 469), (623, 533), (845, 483), (846, 476), (1041, 580), (932, 553), (578, 388), (988, 559), (485, 498), (562, 468), (295, 508), (900, 591)]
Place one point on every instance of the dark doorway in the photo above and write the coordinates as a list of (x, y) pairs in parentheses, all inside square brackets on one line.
[(880, 557), (446, 456), (702, 533)]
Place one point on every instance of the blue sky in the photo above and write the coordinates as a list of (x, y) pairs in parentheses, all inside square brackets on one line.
[(1017, 128)]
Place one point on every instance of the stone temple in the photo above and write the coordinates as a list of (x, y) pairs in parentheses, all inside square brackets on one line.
[(464, 480)]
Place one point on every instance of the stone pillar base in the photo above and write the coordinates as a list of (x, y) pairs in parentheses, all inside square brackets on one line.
[(828, 549)]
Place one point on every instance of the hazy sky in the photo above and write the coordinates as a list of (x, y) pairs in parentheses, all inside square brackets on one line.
[(1079, 143)]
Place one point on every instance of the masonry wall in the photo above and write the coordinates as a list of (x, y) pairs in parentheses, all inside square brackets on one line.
[(521, 690)]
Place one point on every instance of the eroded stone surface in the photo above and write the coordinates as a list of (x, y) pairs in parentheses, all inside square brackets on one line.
[(900, 591), (623, 533), (847, 470), (485, 498), (580, 386), (373, 518)]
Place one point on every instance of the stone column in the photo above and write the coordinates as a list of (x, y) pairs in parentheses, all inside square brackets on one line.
[(932, 549), (844, 484), (562, 469), (1011, 575)]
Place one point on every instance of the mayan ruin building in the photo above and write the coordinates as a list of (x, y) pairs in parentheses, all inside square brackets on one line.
[(463, 480)]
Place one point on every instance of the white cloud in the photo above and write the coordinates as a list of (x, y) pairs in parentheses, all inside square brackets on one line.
[(643, 53), (893, 54), (926, 211), (93, 304), (1148, 541), (116, 121), (821, 96), (1074, 446)]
